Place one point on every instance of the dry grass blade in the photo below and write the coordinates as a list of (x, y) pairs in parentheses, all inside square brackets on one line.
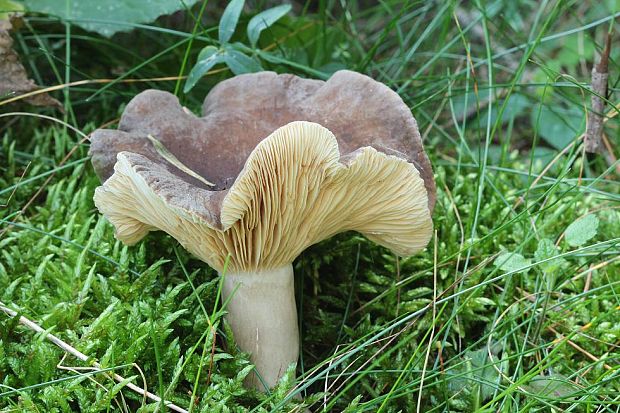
[(169, 156)]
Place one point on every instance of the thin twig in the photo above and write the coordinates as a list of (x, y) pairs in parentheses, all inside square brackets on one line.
[(594, 126), (76, 353)]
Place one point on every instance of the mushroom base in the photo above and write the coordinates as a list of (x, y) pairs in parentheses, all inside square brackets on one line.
[(263, 317)]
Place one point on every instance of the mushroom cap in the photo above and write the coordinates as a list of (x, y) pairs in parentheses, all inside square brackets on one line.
[(275, 195), (240, 112)]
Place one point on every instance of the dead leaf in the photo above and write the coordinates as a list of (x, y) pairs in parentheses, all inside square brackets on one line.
[(14, 80)]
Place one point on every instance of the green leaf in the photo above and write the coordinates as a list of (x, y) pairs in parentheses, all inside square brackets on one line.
[(264, 20), (108, 17), (208, 57), (511, 261), (547, 249), (558, 126), (556, 386), (582, 230), (240, 63), (244, 372), (517, 104), (475, 372), (576, 48), (229, 20)]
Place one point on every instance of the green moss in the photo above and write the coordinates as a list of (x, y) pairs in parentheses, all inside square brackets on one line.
[(371, 335)]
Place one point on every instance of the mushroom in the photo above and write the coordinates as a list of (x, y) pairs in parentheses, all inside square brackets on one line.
[(279, 163)]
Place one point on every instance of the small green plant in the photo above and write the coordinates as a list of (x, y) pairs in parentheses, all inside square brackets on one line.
[(238, 57)]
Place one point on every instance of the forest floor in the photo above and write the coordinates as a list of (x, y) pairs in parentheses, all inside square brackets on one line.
[(513, 306)]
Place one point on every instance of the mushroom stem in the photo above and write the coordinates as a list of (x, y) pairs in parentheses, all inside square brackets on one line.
[(263, 317)]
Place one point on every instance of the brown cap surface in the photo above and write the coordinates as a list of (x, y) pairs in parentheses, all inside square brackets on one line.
[(294, 190), (240, 112)]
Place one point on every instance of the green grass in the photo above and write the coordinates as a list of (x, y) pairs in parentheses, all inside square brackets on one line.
[(490, 317)]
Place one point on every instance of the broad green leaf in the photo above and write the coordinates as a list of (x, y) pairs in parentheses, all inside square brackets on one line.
[(475, 372), (229, 20), (108, 17), (264, 20), (558, 126), (542, 157), (240, 63), (467, 103), (556, 386), (494, 153), (582, 230), (208, 57), (547, 249), (574, 49), (511, 261), (516, 106)]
